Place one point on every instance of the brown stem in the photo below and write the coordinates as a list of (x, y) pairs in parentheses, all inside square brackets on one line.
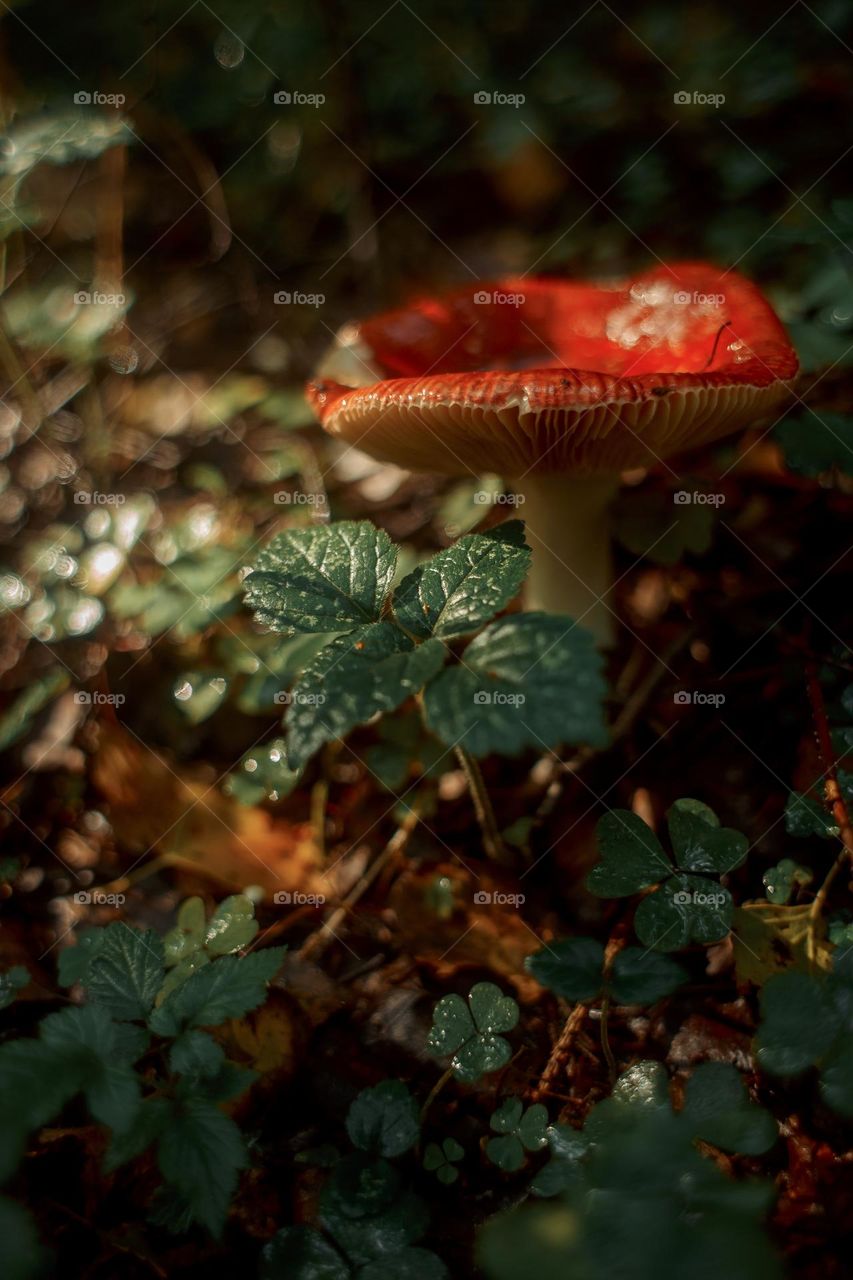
[(561, 1051), (492, 841)]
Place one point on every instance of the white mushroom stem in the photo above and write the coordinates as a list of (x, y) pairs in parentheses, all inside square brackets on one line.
[(568, 530)]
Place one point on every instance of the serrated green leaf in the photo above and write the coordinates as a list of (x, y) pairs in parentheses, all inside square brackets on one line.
[(571, 968), (373, 669), (632, 857), (195, 1053), (643, 977), (301, 1253), (530, 680), (701, 845), (384, 1119), (684, 909), (322, 579), (407, 1264), (718, 1110), (460, 589), (84, 1040), (200, 1154), (126, 971), (226, 988), (150, 1119)]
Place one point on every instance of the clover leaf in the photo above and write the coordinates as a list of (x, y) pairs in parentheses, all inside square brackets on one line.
[(780, 880), (573, 968), (807, 1021), (441, 1160), (521, 1130), (687, 906), (718, 1110), (468, 1030)]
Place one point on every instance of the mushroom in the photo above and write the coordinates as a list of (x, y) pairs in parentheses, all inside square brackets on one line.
[(559, 386)]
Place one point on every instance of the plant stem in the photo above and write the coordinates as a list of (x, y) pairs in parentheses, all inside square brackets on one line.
[(434, 1092), (560, 1052), (567, 521), (492, 842), (605, 1038)]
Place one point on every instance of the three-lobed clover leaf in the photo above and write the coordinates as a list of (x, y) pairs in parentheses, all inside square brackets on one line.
[(688, 906), (326, 578), (195, 941), (442, 1160), (779, 882), (573, 968), (520, 1130), (468, 1031), (530, 680), (807, 1020)]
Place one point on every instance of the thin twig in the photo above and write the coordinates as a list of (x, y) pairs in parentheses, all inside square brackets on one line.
[(492, 841), (561, 1051)]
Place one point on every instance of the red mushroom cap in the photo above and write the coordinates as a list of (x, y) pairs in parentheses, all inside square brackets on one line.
[(556, 375)]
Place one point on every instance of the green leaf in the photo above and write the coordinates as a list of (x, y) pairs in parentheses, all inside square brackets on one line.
[(461, 588), (74, 961), (805, 817), (301, 1253), (779, 881), (468, 1030), (35, 1083), (571, 968), (263, 774), (84, 1040), (371, 670), (200, 1153), (684, 909), (814, 442), (836, 1079), (701, 845), (23, 1257), (232, 926), (798, 1023), (188, 934), (643, 977), (384, 1120), (362, 1185), (150, 1119), (126, 971), (654, 526), (563, 1170), (179, 973), (530, 680), (521, 1129), (374, 1236), (408, 1264), (718, 1110), (441, 1159), (227, 988), (322, 579), (632, 857), (11, 982), (194, 1053)]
